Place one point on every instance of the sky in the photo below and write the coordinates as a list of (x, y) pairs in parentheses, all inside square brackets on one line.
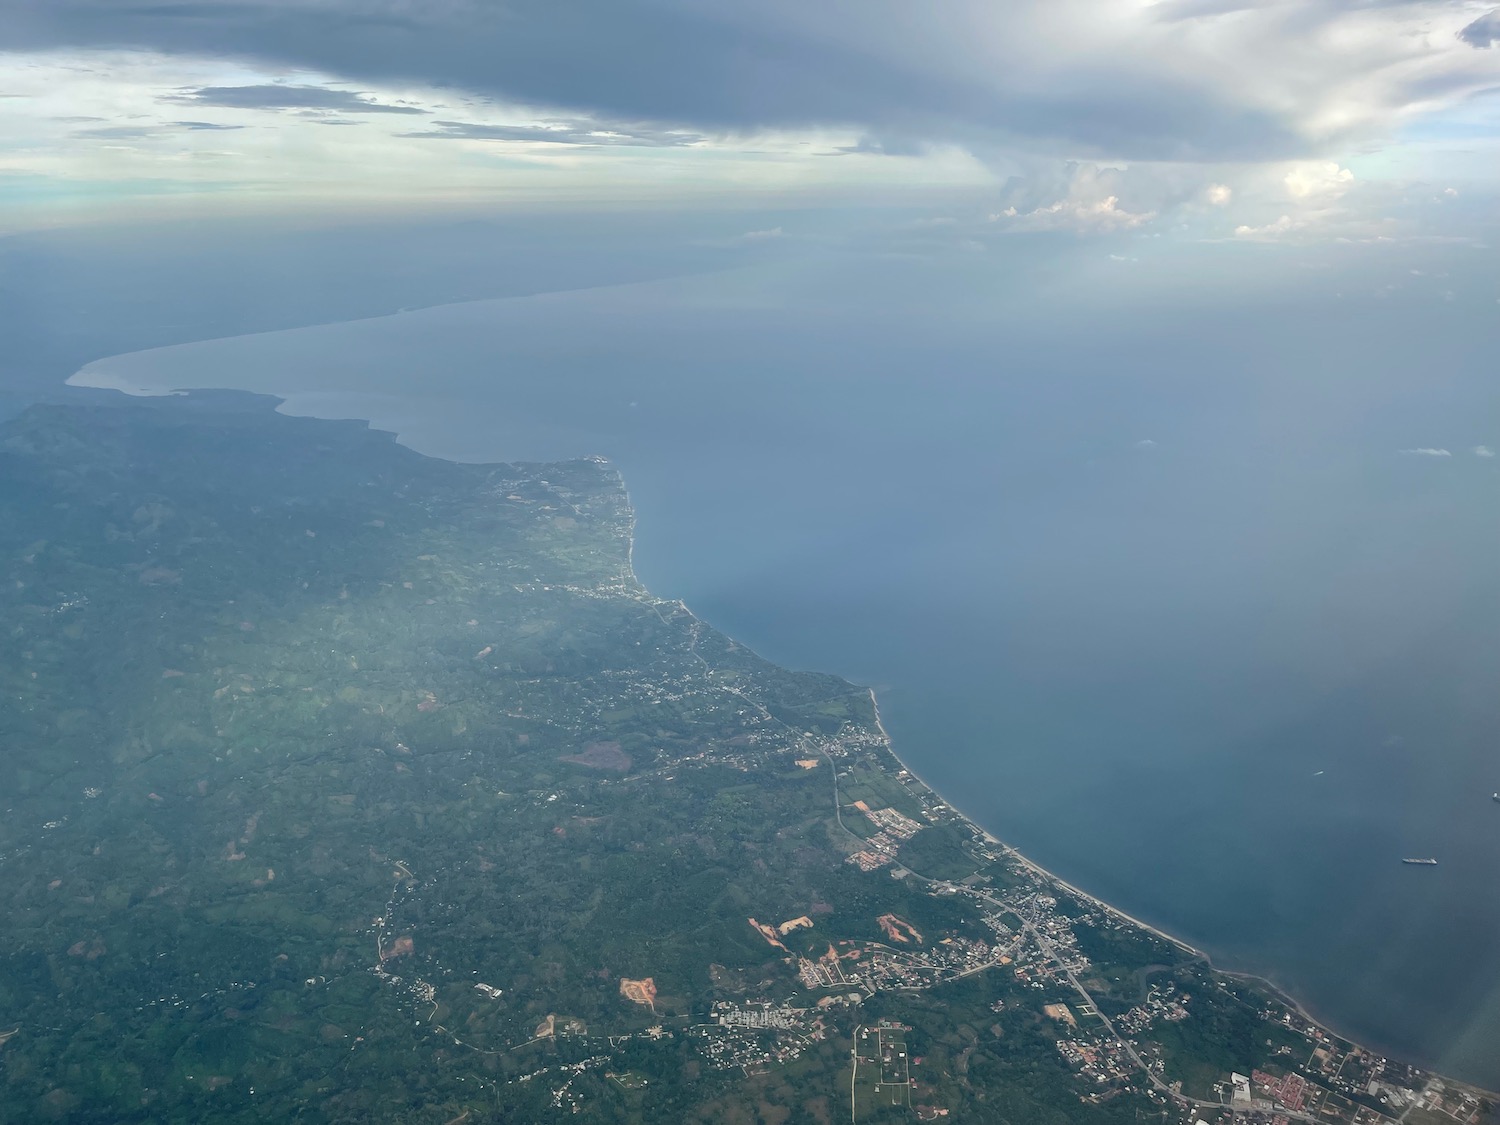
[(1254, 120)]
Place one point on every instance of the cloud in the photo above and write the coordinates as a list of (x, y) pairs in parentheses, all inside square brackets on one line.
[(1097, 215), (141, 132), (1269, 232), (1424, 453), (1483, 32), (1080, 197), (561, 133), (1483, 451), (272, 96), (770, 236), (1176, 119), (1322, 180), (117, 132), (1145, 443), (299, 149), (1172, 81), (885, 146)]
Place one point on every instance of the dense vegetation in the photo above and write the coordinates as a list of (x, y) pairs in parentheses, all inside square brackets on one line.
[(307, 735), (346, 785)]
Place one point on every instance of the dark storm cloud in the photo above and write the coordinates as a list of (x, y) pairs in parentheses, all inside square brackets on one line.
[(560, 133), (1483, 32), (701, 64), (288, 97)]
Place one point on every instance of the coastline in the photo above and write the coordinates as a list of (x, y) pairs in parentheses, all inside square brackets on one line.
[(1253, 978), (1030, 864), (1261, 982), (1010, 851), (988, 836)]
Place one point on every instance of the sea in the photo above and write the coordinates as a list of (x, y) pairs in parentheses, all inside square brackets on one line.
[(1181, 574)]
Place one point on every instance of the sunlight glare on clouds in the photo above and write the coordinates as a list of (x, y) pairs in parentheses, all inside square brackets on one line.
[(1277, 228), (1212, 120), (1322, 180)]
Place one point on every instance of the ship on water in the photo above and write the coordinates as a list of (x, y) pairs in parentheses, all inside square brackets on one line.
[(1421, 862)]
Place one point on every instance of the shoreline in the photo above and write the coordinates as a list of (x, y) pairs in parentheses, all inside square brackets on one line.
[(1010, 850), (1262, 982), (1030, 864), (1256, 979)]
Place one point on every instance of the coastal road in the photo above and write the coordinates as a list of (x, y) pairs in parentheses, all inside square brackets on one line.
[(1047, 878), (1182, 1099)]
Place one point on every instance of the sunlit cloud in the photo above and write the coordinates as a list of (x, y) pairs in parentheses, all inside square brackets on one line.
[(1278, 228), (1079, 116), (1082, 215), (1324, 180)]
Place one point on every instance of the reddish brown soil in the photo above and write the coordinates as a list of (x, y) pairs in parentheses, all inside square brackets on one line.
[(639, 991), (401, 947)]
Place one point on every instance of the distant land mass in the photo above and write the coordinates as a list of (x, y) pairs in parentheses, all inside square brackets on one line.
[(343, 784)]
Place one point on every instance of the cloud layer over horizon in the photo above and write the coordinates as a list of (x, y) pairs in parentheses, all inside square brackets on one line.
[(1091, 115), (1176, 79)]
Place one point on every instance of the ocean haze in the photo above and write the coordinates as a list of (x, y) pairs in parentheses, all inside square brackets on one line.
[(1150, 549)]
